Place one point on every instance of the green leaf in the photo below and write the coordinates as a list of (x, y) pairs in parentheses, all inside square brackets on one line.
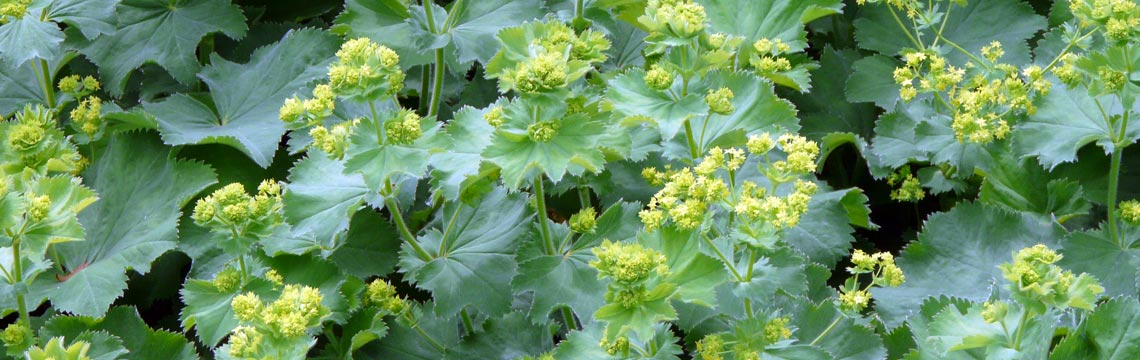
[(68, 197), (846, 340), (102, 345), (461, 162), (895, 142), (871, 81), (960, 242), (1066, 120), (369, 248), (29, 38), (641, 318), (583, 344), (1113, 332), (477, 23), (208, 308), (405, 342), (1010, 22), (824, 233), (91, 17), (767, 19), (126, 325), (573, 149), (380, 162), (246, 97), (19, 86), (822, 114), (966, 335), (163, 32), (758, 109), (567, 278), (1022, 185), (1093, 252), (782, 271), (365, 326), (509, 337), (318, 204), (142, 189), (384, 22), (695, 274), (477, 260), (632, 97)]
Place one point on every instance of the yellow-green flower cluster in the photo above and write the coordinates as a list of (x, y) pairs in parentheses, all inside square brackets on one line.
[(658, 78), (78, 87), (13, 9), (658, 178), (682, 19), (775, 211), (88, 117), (1036, 280), (382, 294), (310, 112), (685, 199), (542, 131), (907, 186), (589, 46), (556, 57), (994, 311), (777, 329), (880, 265), (802, 154), (932, 73), (854, 301), (366, 71), (494, 116), (1119, 18), (720, 101), (711, 347), (405, 128), (245, 343), (227, 280), (297, 309), (540, 73), (769, 58), (38, 144), (717, 159), (628, 263), (36, 208), (55, 349), (230, 210), (16, 336), (620, 345), (585, 221), (333, 141), (1129, 211)]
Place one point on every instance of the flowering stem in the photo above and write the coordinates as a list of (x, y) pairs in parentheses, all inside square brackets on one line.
[(447, 231), (752, 257), (827, 330), (579, 13), (244, 272), (729, 264), (1113, 187), (49, 91), (704, 127), (692, 142), (437, 86), (18, 275), (425, 80), (467, 327), (584, 196), (540, 203), (1020, 330), (376, 120), (568, 317), (398, 217), (905, 29), (431, 340)]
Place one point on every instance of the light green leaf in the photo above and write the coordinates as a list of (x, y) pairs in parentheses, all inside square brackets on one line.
[(895, 142), (365, 326), (1093, 252), (379, 162), (960, 242), (758, 109), (583, 344), (460, 163), (319, 202), (567, 278), (1010, 22), (162, 32), (1022, 185), (102, 345), (695, 274), (208, 309), (384, 22), (29, 38), (1066, 120), (68, 197), (632, 97), (781, 271), (478, 254), (477, 23), (767, 19), (573, 148), (847, 340), (137, 337), (870, 81), (246, 97), (641, 318), (507, 338), (824, 233), (1112, 332), (91, 17), (405, 342), (142, 189), (19, 86), (966, 335)]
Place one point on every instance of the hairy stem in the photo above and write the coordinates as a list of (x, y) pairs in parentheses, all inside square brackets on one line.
[(398, 217), (1113, 188), (47, 84), (18, 274), (727, 263), (425, 97), (437, 85), (540, 204), (827, 330), (584, 196), (568, 317), (692, 143)]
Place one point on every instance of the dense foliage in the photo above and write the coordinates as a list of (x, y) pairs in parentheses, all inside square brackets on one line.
[(569, 179)]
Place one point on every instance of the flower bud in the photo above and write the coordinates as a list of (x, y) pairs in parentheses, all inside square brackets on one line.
[(657, 78), (584, 222), (542, 131), (720, 101)]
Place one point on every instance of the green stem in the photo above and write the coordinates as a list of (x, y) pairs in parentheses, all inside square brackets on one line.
[(431, 340), (752, 257), (748, 307), (704, 127), (398, 217), (945, 17), (584, 196), (692, 143), (468, 328), (827, 330), (447, 231), (579, 10), (568, 317), (425, 81), (18, 274), (437, 86), (376, 119), (46, 82), (540, 203), (1113, 187), (906, 30), (729, 264), (244, 271), (1020, 330)]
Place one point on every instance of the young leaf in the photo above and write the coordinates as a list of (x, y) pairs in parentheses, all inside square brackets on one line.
[(246, 97)]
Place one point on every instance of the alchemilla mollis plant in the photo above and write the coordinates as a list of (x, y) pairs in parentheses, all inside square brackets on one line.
[(569, 179)]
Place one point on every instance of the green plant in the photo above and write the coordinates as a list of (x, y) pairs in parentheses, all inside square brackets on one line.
[(569, 179)]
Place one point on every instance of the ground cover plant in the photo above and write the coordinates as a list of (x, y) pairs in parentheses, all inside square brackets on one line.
[(569, 179)]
